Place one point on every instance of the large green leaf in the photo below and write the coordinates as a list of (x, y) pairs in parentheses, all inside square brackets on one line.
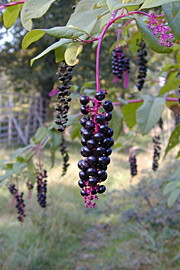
[(31, 171), (172, 82), (172, 12), (118, 4), (33, 9), (155, 3), (173, 197), (86, 15), (51, 48), (11, 14), (59, 32), (148, 115), (116, 123), (41, 133), (173, 140), (150, 39), (129, 113)]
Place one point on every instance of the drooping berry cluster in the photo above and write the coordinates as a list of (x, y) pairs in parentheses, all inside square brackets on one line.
[(42, 188), (20, 205), (177, 117), (133, 164), (97, 142), (64, 153), (142, 65), (29, 185), (157, 152), (120, 66), (62, 108)]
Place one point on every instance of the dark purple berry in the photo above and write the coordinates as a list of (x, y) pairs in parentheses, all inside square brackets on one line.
[(81, 183), (91, 160), (100, 95), (101, 189), (84, 109), (83, 175), (83, 193), (91, 172), (92, 182), (98, 137), (108, 106), (100, 119), (84, 100), (108, 116), (90, 125), (85, 151), (91, 143)]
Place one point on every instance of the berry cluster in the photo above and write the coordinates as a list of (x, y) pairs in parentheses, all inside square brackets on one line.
[(157, 152), (177, 117), (20, 205), (160, 30), (29, 185), (120, 66), (42, 188), (63, 94), (133, 164), (97, 142), (64, 153), (142, 67)]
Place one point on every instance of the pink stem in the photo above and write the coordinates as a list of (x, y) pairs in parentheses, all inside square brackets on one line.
[(11, 4), (120, 30)]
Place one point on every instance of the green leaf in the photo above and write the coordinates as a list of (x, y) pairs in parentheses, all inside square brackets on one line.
[(148, 115), (85, 16), (41, 133), (31, 171), (18, 166), (51, 48), (6, 176), (170, 187), (173, 197), (118, 4), (31, 37), (178, 58), (129, 114), (150, 39), (172, 82), (75, 130), (172, 12), (72, 119), (59, 32), (155, 3), (59, 53), (173, 140), (72, 52), (11, 14), (178, 155), (33, 9), (116, 123), (56, 138)]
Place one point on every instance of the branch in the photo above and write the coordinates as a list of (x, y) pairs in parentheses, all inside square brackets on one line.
[(11, 4)]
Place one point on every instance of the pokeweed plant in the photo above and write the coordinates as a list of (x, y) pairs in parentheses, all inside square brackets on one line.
[(91, 22)]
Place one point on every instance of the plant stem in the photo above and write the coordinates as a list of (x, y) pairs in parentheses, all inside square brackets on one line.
[(11, 4)]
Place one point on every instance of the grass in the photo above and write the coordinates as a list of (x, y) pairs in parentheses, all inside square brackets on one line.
[(67, 236)]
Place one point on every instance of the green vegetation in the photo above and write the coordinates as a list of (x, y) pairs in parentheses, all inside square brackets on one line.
[(123, 232)]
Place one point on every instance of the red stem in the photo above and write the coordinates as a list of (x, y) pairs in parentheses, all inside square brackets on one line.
[(11, 4)]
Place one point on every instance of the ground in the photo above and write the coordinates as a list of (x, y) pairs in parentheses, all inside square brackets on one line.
[(122, 232)]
